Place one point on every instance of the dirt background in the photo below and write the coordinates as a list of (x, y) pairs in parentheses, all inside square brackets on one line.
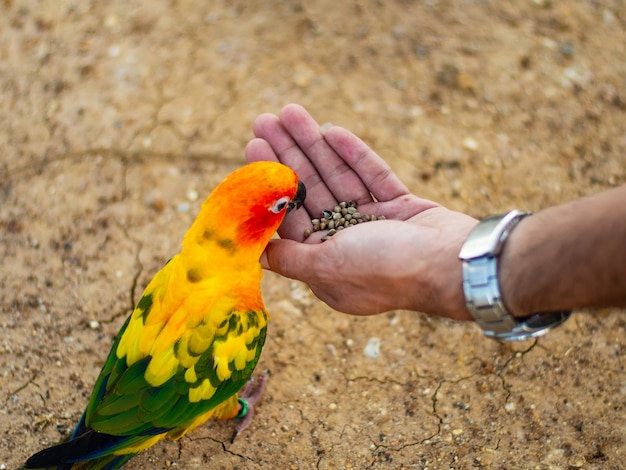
[(118, 118)]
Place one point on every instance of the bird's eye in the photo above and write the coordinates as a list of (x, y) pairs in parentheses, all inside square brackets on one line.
[(279, 205)]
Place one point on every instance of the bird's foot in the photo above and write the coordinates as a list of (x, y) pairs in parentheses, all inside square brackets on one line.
[(249, 396)]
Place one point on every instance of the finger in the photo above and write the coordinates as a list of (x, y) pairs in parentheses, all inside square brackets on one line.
[(288, 258), (339, 177), (374, 172), (294, 225), (269, 128), (260, 150)]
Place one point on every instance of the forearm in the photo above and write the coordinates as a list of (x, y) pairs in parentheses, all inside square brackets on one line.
[(568, 256)]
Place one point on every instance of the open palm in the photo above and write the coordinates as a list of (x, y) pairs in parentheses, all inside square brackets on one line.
[(406, 261)]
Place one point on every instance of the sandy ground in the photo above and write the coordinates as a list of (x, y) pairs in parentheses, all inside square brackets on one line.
[(118, 118)]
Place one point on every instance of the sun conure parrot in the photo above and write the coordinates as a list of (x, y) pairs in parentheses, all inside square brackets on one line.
[(196, 333)]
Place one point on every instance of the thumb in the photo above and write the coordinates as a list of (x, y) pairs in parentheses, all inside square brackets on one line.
[(288, 258)]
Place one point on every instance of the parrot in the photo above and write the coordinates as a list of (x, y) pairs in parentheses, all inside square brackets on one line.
[(189, 348)]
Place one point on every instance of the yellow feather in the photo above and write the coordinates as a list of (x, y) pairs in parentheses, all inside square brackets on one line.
[(201, 338), (142, 446), (240, 359), (128, 345), (182, 352), (190, 375), (162, 367), (147, 338), (230, 347), (195, 395), (221, 368), (202, 392), (250, 355)]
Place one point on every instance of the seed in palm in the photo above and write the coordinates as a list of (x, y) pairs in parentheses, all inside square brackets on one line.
[(342, 216)]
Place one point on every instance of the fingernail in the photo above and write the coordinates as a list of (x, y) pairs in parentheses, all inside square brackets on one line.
[(324, 127), (264, 263)]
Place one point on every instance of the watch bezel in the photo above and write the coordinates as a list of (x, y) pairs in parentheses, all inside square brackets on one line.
[(489, 235)]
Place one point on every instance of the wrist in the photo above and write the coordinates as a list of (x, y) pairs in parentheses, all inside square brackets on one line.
[(481, 255), (511, 269), (452, 295), (436, 269)]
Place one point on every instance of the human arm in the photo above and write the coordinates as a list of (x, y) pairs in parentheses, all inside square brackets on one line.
[(569, 256)]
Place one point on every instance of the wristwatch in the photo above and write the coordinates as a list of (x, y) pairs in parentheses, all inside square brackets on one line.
[(481, 286)]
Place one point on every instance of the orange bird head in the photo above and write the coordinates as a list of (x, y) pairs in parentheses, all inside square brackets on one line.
[(246, 208)]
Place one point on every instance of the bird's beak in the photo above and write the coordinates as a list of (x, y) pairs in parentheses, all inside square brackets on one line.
[(298, 199)]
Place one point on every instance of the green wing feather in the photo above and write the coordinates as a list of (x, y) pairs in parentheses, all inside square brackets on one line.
[(124, 403)]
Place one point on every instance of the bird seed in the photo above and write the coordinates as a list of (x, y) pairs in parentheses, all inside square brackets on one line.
[(343, 215)]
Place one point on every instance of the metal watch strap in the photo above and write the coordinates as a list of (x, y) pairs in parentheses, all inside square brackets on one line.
[(482, 289)]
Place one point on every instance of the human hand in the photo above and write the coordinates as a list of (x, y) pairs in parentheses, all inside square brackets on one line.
[(408, 261)]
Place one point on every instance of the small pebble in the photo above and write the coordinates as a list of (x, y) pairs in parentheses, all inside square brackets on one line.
[(471, 144), (183, 207), (192, 195), (372, 349)]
